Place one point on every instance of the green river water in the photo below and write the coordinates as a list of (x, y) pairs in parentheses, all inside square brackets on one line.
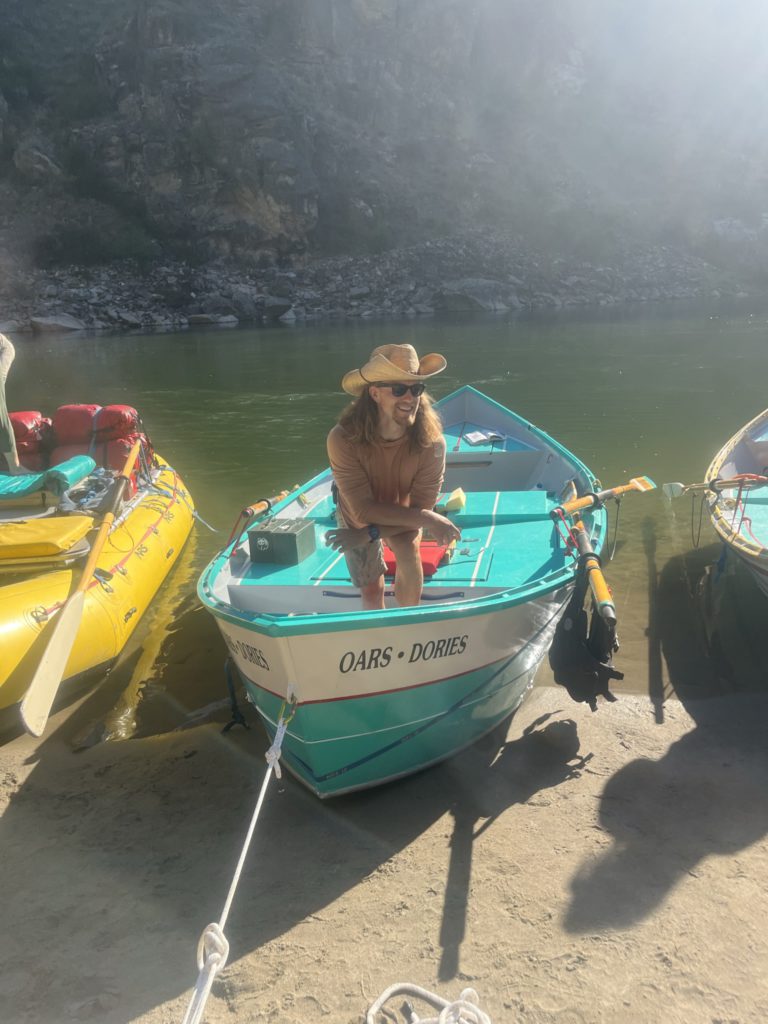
[(243, 413)]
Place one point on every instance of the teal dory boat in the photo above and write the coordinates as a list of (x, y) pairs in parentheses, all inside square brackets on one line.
[(381, 694), (737, 496)]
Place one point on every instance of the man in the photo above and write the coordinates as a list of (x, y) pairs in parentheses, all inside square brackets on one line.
[(7, 439), (387, 453)]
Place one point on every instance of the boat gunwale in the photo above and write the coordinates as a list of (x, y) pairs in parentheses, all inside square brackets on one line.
[(752, 552), (284, 625)]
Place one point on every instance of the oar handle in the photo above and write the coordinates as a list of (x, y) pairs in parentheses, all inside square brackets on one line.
[(258, 508), (262, 505), (593, 568), (578, 504), (745, 480), (594, 499)]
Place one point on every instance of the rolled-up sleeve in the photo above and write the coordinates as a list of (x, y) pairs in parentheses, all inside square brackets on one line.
[(350, 476), (429, 476)]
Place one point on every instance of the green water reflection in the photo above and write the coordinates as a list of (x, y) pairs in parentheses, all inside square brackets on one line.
[(242, 413)]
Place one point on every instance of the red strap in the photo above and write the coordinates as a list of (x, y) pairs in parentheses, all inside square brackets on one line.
[(568, 538)]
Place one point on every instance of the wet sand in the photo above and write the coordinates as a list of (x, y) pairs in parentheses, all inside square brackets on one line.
[(576, 867)]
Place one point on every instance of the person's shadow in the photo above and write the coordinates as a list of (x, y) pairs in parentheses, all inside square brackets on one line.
[(545, 756), (708, 795), (143, 809)]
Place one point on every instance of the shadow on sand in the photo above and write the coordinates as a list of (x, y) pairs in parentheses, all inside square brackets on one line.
[(708, 795), (127, 850)]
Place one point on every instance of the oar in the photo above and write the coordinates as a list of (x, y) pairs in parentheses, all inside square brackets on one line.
[(258, 508), (745, 480), (37, 703), (598, 586), (638, 483)]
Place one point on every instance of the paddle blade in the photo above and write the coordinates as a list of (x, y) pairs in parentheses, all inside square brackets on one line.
[(671, 491), (41, 693), (642, 483)]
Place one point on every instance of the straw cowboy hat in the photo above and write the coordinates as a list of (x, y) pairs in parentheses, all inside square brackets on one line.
[(393, 363)]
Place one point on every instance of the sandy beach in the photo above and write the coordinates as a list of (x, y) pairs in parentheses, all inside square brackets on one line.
[(581, 868)]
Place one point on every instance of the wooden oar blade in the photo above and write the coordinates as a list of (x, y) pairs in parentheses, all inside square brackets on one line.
[(642, 483), (41, 692), (638, 483), (36, 706)]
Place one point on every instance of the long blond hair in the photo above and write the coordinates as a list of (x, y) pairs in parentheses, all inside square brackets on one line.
[(360, 420)]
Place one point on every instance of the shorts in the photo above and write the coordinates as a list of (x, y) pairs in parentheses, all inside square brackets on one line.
[(366, 564)]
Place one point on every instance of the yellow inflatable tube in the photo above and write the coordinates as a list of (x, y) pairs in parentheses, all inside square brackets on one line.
[(144, 543)]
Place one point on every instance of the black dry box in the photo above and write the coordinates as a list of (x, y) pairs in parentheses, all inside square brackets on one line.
[(282, 541)]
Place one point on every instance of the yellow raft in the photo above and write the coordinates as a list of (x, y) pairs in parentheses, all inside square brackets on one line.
[(41, 557)]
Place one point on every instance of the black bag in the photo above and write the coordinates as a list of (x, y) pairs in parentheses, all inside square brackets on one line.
[(581, 655)]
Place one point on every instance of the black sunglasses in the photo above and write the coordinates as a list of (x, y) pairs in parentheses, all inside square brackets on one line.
[(398, 390)]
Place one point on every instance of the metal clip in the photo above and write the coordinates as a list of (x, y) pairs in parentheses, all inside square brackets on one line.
[(103, 576)]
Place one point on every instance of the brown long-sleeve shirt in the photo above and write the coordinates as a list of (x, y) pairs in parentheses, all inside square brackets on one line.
[(387, 472), (7, 352), (7, 442)]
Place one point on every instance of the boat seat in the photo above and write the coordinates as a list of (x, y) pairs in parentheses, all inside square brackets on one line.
[(45, 562), (484, 508), (56, 480), (481, 508), (433, 555), (28, 508), (40, 538)]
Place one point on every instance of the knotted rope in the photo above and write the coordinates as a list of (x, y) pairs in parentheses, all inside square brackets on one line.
[(463, 1010), (213, 948)]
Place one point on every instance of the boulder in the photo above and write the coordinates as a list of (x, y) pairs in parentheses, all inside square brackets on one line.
[(246, 302), (54, 324), (275, 307), (125, 317), (34, 160), (471, 294), (202, 319)]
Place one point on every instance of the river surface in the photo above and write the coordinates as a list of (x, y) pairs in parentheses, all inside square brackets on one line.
[(243, 413)]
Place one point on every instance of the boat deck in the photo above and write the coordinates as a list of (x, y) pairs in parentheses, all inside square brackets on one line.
[(466, 437), (753, 526), (508, 539)]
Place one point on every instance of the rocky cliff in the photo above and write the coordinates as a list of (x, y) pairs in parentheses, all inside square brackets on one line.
[(267, 131)]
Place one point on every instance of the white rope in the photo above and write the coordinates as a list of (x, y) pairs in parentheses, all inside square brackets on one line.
[(464, 1010), (213, 948)]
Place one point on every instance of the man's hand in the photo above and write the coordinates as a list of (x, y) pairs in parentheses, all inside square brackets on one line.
[(442, 529), (346, 538)]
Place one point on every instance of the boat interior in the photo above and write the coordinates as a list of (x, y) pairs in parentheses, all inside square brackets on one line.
[(508, 540), (750, 504), (34, 538), (46, 517), (510, 480)]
